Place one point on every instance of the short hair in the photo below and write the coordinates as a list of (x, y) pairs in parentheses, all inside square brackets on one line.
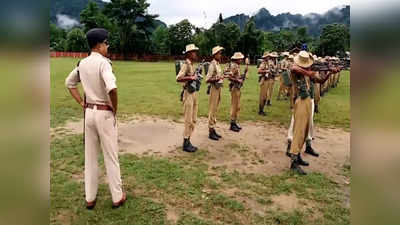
[(95, 36)]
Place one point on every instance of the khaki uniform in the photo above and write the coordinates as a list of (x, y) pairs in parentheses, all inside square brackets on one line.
[(190, 103), (234, 69), (302, 112), (317, 93), (271, 80), (97, 78), (283, 89), (263, 84), (214, 72)]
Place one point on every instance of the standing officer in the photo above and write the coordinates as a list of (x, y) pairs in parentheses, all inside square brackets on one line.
[(185, 76), (263, 72), (273, 68), (100, 105), (284, 67), (302, 112), (216, 79), (236, 84)]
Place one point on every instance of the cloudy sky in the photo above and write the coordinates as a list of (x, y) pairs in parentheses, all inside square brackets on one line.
[(203, 13)]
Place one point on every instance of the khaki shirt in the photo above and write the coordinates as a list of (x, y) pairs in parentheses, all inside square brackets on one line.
[(234, 70), (97, 78), (214, 71), (272, 66), (284, 65), (187, 69)]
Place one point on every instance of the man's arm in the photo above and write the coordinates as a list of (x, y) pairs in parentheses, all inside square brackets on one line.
[(114, 99), (71, 82), (77, 96), (181, 77)]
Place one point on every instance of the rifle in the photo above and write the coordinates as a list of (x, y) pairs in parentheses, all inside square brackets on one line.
[(194, 85), (320, 66)]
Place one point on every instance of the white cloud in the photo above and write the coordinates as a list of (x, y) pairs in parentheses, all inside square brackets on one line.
[(66, 22)]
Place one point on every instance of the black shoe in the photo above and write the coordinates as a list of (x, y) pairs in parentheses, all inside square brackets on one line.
[(212, 135), (288, 149), (215, 133), (310, 150), (301, 161), (295, 166), (91, 205), (237, 125), (262, 113), (269, 102), (187, 146), (316, 109), (234, 127)]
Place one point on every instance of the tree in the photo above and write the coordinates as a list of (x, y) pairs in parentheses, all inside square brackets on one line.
[(133, 23), (57, 38), (159, 40), (251, 41), (92, 17), (179, 35), (76, 41), (334, 38)]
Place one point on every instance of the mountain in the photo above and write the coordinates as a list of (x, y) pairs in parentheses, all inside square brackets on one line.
[(66, 13), (313, 21)]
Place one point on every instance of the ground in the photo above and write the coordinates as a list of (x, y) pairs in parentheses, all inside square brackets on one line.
[(242, 179)]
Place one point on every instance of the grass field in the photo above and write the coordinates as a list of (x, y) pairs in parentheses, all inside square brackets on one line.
[(184, 190), (150, 88)]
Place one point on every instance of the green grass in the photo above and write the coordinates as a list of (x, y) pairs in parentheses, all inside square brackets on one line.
[(156, 184), (151, 89)]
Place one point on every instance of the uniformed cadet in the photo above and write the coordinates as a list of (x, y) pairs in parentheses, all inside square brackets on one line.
[(273, 68), (100, 105), (236, 83), (216, 79), (263, 72), (302, 111), (190, 102), (284, 67)]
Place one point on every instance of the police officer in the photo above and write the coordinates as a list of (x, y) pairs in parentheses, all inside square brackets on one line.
[(273, 69), (263, 72), (236, 84), (302, 111), (100, 105), (215, 78), (185, 76)]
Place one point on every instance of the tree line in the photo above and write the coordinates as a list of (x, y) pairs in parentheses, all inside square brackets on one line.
[(133, 30)]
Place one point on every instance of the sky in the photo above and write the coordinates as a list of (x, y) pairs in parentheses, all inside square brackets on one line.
[(203, 13)]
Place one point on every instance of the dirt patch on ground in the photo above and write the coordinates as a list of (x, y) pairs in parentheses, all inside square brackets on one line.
[(259, 148)]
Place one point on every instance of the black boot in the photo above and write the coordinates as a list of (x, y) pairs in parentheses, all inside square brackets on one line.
[(234, 127), (310, 150), (237, 125), (301, 161), (261, 111), (269, 102), (316, 109), (211, 135), (295, 166), (216, 134), (288, 148), (187, 146)]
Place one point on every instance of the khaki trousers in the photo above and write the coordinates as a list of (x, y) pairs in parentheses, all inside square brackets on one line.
[(190, 107), (311, 128), (101, 131), (213, 103), (263, 91), (235, 103), (270, 88), (283, 89), (301, 125), (317, 93)]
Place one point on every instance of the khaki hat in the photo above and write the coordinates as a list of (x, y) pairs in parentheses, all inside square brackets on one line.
[(191, 47), (285, 54), (237, 55), (273, 54), (265, 55), (217, 49), (315, 57), (291, 57), (303, 59)]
